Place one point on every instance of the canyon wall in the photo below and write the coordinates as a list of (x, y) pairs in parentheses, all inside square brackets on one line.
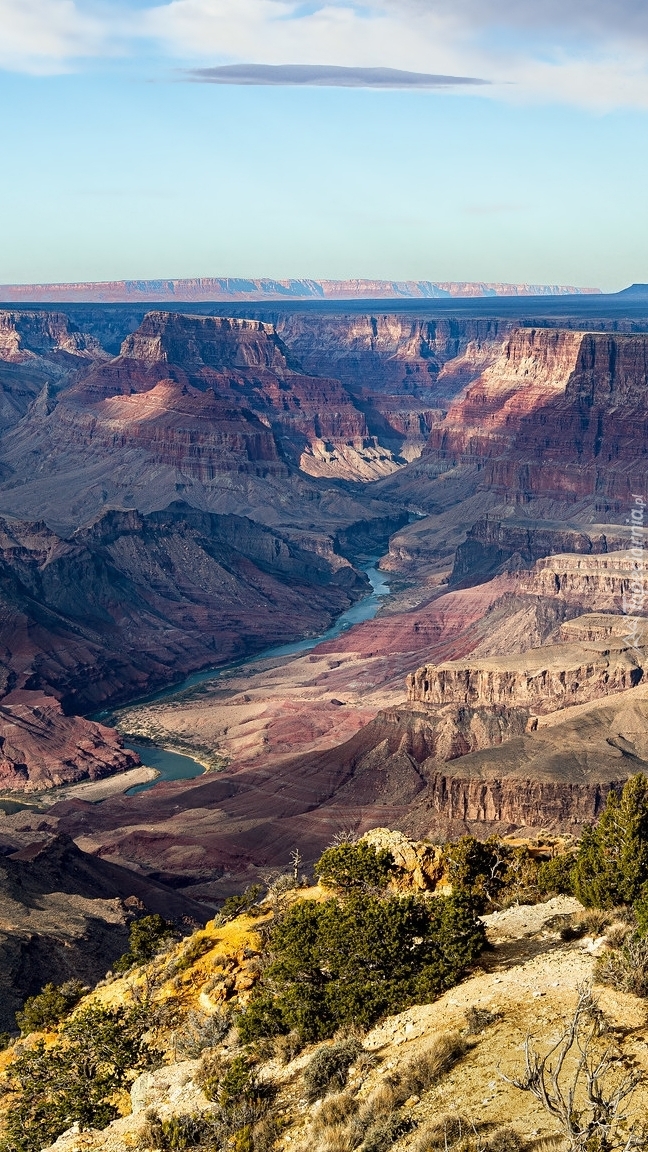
[(560, 415), (542, 679), (39, 350), (492, 545)]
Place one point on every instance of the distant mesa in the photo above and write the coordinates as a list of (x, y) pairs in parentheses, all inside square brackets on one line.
[(635, 290), (237, 289)]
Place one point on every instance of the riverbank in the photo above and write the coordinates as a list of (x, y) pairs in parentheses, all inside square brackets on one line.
[(181, 753)]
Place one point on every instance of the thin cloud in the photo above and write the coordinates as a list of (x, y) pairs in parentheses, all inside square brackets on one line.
[(325, 75), (43, 35)]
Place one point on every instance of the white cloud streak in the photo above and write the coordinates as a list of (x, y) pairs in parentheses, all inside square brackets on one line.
[(45, 35), (592, 53)]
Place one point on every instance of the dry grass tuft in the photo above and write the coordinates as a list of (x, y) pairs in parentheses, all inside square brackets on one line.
[(428, 1066), (456, 1134), (337, 1109), (592, 921), (286, 1048), (627, 969)]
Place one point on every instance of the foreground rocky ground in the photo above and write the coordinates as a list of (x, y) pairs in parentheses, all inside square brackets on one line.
[(527, 984)]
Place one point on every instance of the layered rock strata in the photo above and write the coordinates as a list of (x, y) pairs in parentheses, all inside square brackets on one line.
[(542, 679), (492, 545), (211, 409), (605, 581), (39, 350), (559, 415)]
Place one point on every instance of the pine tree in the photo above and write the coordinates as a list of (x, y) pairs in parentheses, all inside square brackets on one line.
[(612, 864)]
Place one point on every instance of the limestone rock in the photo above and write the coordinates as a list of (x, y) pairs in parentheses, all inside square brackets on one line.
[(420, 865)]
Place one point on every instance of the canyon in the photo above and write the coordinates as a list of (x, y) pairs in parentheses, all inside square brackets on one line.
[(184, 491)]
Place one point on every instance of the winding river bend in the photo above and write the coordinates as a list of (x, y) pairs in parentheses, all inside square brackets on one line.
[(173, 766)]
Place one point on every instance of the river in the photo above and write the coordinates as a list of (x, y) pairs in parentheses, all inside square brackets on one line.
[(173, 766)]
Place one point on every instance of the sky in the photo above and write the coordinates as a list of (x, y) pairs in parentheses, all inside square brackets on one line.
[(497, 140)]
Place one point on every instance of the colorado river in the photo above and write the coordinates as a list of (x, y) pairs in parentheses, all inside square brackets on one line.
[(173, 766)]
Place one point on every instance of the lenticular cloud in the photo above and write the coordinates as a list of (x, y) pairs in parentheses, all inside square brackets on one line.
[(325, 75)]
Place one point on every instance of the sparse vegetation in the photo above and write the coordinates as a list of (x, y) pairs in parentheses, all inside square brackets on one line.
[(49, 1007), (353, 960), (145, 938), (75, 1080), (579, 1084), (456, 1134), (626, 969), (198, 1031)]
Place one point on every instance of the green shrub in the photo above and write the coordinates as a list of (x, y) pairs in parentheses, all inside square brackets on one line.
[(354, 960), (74, 1081), (241, 902), (50, 1007), (327, 1070), (490, 870), (384, 1133), (145, 938), (612, 864), (5, 1040), (179, 1132), (354, 866), (557, 876)]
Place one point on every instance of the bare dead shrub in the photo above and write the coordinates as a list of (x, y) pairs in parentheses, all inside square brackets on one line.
[(200, 1031), (579, 1084)]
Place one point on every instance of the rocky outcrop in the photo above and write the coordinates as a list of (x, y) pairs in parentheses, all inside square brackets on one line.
[(605, 581), (39, 352), (601, 626), (394, 353), (418, 866), (542, 679)]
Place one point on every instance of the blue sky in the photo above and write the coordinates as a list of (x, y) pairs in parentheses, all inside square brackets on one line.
[(121, 157)]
